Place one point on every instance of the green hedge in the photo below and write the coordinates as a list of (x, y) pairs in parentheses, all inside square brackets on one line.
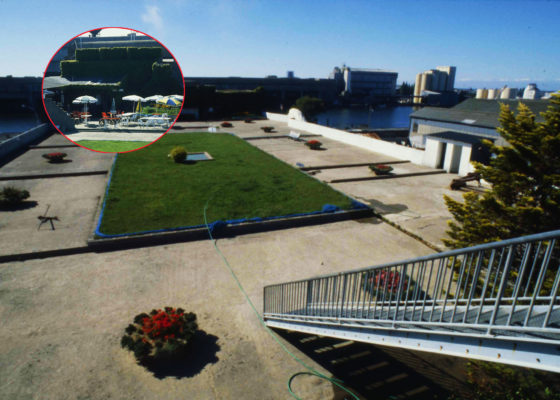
[(113, 53), (87, 54), (143, 53), (108, 69), (119, 53)]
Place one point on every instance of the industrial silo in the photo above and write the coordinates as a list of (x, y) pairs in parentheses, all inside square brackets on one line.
[(426, 80), (417, 83), (508, 93), (492, 94), (481, 93)]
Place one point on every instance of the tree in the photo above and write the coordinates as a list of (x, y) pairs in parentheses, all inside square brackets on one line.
[(525, 178), (309, 106), (406, 89)]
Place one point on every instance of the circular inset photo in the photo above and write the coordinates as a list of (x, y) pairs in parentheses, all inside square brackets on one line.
[(113, 90)]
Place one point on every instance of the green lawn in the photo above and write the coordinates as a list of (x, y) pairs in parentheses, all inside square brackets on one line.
[(149, 191), (111, 146)]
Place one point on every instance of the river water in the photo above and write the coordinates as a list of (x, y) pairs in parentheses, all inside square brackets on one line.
[(380, 118)]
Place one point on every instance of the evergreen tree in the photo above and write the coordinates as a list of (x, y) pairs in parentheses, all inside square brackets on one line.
[(525, 178)]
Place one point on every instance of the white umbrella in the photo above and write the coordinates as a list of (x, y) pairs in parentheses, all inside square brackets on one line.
[(133, 97), (85, 100), (155, 97), (177, 96)]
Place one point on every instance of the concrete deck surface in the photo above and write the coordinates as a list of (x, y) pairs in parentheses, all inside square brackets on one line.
[(63, 317), (145, 135)]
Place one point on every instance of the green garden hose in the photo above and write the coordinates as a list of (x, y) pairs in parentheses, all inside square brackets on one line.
[(311, 370)]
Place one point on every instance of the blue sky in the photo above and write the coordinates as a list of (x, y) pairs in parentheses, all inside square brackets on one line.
[(491, 42)]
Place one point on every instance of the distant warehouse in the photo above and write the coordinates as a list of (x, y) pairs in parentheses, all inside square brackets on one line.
[(366, 83)]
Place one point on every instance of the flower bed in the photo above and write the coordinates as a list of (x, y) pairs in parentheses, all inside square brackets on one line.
[(313, 144), (381, 169), (161, 335), (382, 283), (55, 157)]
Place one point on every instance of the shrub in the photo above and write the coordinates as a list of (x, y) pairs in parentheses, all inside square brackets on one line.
[(267, 129), (161, 335), (11, 196), (309, 106), (54, 157), (179, 154), (226, 124)]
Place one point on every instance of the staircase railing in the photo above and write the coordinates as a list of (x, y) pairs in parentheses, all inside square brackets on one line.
[(507, 289)]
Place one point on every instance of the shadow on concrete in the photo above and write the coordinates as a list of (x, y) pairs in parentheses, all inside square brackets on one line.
[(375, 372), (201, 353), (372, 220), (65, 161), (24, 205), (383, 208)]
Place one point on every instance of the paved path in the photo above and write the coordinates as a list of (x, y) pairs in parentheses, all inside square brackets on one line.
[(123, 135), (73, 199)]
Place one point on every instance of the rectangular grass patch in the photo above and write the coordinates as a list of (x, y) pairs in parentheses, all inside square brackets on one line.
[(148, 191)]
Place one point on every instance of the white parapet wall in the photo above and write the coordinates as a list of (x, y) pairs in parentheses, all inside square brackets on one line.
[(18, 142), (277, 117), (415, 156)]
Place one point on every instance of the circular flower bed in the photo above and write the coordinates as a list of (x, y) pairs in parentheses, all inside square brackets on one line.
[(313, 144), (55, 157), (381, 169), (161, 335)]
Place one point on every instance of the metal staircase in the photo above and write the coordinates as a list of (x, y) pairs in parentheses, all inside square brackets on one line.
[(495, 302)]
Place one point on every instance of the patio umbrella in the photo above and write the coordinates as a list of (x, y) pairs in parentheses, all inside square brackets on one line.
[(85, 100), (170, 101), (155, 97), (134, 98)]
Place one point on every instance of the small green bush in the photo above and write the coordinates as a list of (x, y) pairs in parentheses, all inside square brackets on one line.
[(179, 154), (11, 196)]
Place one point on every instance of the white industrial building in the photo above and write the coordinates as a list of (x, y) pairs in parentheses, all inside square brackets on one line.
[(370, 82)]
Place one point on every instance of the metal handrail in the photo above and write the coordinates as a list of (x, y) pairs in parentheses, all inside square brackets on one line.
[(506, 287)]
